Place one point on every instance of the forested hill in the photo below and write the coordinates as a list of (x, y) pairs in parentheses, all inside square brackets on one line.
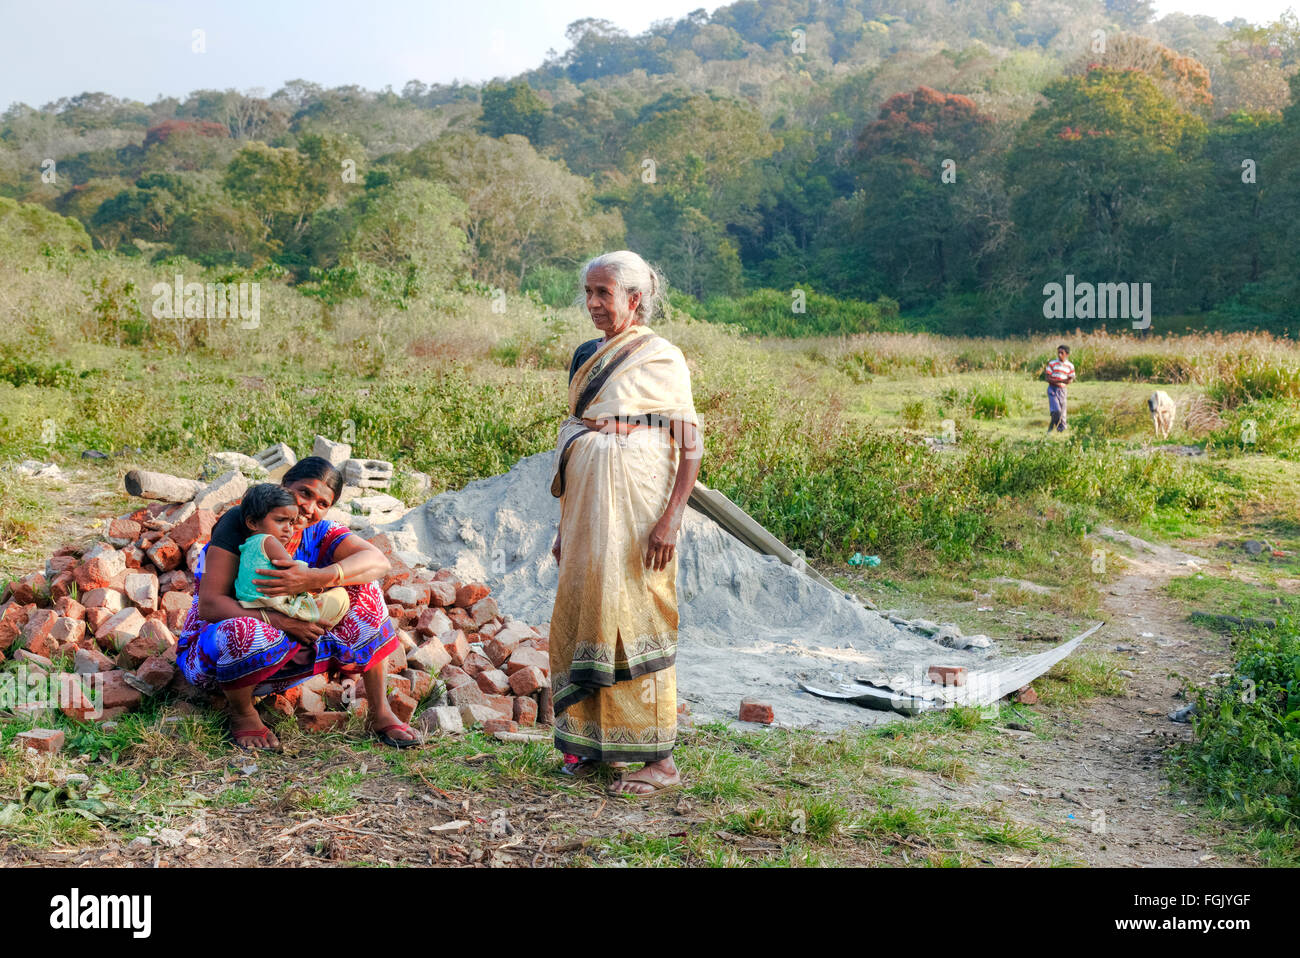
[(943, 159)]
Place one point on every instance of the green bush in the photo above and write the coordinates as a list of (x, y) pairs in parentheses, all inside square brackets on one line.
[(1245, 754), (913, 413), (995, 399), (771, 312), (555, 286), (1268, 427)]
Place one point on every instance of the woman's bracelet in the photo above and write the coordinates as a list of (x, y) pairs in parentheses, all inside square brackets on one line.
[(338, 575)]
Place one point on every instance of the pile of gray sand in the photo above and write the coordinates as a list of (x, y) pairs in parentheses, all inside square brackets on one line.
[(749, 625)]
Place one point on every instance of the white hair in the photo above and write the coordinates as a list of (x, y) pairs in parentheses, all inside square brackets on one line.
[(632, 274)]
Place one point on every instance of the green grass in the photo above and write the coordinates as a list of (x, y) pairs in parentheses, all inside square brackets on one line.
[(1082, 676), (814, 436), (23, 510), (1230, 596), (1244, 759), (849, 798)]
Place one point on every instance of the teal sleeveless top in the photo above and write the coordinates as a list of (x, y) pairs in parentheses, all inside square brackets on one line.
[(252, 563)]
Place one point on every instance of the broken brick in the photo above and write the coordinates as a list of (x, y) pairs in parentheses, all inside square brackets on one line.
[(165, 554), (430, 657), (442, 592), (403, 706), (484, 611), (141, 589), (466, 694), (954, 675), (398, 683), (470, 593), (36, 633), (95, 619), (61, 586), (116, 693), (493, 682), (68, 630), (460, 619), (47, 740), (421, 683), (120, 629), (528, 680), (175, 601), (90, 661), (103, 598), (178, 580), (57, 563), (475, 713), (753, 710), (432, 622), (523, 658), (497, 651), (123, 532), (98, 568), (12, 618), (153, 675), (197, 528), (475, 663), (456, 644), (278, 704), (322, 721), (30, 588), (70, 608), (525, 711), (455, 677)]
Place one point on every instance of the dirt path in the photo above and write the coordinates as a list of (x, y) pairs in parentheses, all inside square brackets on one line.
[(1104, 763)]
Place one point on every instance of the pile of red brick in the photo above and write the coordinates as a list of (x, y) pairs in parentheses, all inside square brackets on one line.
[(496, 672), (114, 609)]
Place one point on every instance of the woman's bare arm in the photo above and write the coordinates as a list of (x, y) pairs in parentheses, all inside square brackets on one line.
[(663, 537), (359, 560), (216, 589), (218, 603)]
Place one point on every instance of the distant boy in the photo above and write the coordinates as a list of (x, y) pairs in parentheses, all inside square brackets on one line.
[(1060, 373)]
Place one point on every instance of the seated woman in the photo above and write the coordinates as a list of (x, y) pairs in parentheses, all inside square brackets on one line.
[(271, 514), (245, 653)]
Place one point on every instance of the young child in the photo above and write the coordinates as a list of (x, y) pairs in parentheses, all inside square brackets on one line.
[(269, 511), (1060, 373)]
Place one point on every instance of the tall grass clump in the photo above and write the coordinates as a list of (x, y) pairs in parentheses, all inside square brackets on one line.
[(771, 312), (1245, 753)]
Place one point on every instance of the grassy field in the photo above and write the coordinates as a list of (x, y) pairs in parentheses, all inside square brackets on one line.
[(824, 440)]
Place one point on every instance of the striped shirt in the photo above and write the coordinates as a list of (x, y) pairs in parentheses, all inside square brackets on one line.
[(1060, 372)]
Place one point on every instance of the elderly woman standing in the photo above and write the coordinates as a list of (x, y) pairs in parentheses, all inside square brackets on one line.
[(626, 462)]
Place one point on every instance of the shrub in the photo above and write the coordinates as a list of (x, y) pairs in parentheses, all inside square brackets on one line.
[(1245, 755), (770, 312)]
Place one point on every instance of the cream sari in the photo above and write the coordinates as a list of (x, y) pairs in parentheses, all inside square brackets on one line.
[(613, 630)]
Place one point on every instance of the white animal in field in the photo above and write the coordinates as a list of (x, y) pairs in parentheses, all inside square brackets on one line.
[(1162, 413)]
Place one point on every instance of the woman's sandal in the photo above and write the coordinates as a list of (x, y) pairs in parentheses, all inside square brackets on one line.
[(383, 736), (587, 767), (264, 734), (652, 777)]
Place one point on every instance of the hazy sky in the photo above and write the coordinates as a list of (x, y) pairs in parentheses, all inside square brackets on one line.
[(143, 48)]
